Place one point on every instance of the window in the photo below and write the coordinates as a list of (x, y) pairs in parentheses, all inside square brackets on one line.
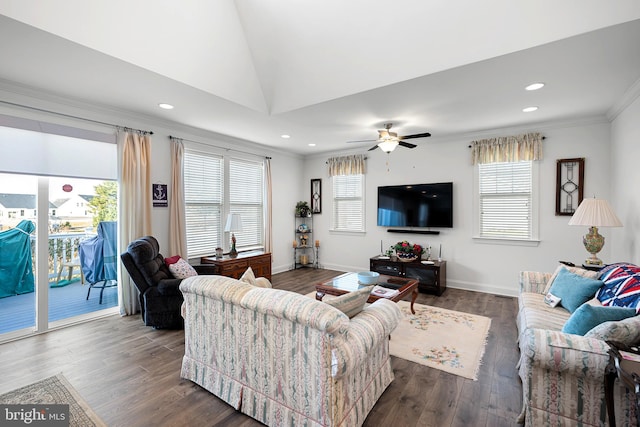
[(214, 187), (506, 200), (348, 203), (246, 191), (203, 197)]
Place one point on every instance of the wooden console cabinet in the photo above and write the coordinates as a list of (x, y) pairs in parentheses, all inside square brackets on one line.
[(259, 262), (431, 277)]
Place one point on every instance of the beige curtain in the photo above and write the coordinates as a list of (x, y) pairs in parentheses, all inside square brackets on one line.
[(347, 165), (177, 220), (134, 176), (268, 214), (507, 149)]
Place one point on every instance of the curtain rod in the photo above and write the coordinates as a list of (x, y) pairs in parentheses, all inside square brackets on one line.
[(144, 132), (217, 146)]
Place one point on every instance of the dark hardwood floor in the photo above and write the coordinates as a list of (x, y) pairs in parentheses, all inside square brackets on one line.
[(129, 373)]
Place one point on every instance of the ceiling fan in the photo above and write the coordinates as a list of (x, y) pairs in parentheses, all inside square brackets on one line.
[(388, 141)]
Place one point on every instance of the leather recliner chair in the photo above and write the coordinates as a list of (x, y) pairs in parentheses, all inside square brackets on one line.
[(160, 296)]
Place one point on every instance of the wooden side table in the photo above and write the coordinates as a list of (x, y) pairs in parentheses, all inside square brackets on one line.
[(624, 363), (259, 262)]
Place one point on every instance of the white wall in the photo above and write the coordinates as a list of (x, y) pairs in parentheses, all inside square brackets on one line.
[(470, 264), (625, 173)]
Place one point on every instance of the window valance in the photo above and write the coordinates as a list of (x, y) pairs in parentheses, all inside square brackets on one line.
[(517, 148), (347, 165)]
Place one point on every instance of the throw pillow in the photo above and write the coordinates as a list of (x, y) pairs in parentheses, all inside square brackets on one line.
[(621, 286), (182, 269), (351, 303), (248, 277), (626, 331), (172, 260), (576, 270), (588, 317), (573, 289)]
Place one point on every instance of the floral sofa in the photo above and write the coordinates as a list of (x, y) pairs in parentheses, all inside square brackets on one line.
[(283, 358), (563, 373)]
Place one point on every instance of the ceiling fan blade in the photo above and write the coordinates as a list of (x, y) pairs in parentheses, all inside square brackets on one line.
[(416, 135), (363, 140), (407, 144), (372, 148)]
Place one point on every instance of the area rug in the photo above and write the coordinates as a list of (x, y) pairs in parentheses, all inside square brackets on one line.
[(448, 340), (54, 390), (443, 339)]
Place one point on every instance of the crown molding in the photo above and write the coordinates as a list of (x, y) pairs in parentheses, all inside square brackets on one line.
[(627, 99)]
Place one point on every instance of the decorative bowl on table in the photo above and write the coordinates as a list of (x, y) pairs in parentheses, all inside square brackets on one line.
[(405, 257), (368, 277)]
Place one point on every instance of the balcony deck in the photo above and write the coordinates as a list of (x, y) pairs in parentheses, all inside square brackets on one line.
[(18, 312)]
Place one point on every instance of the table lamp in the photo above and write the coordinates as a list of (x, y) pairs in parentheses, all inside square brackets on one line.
[(234, 223), (594, 213)]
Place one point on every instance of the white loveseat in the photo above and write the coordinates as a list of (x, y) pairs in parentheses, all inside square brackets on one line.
[(283, 358)]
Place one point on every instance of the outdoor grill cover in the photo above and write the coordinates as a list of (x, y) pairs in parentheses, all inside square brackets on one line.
[(98, 255), (16, 267)]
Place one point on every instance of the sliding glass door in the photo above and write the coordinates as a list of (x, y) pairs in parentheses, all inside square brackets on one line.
[(58, 213)]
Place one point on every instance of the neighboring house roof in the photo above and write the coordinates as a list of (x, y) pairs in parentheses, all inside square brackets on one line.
[(20, 201), (87, 197)]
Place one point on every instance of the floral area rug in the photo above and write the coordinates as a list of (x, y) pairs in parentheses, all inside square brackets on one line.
[(448, 340), (37, 399)]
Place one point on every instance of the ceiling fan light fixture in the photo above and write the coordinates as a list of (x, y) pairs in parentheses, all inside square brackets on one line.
[(388, 145)]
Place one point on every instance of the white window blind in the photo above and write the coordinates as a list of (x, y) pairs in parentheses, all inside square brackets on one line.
[(348, 203), (505, 201), (204, 196), (246, 189)]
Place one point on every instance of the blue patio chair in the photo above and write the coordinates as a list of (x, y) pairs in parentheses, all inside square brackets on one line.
[(98, 258), (16, 267)]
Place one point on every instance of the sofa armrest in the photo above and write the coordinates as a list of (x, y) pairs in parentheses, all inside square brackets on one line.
[(573, 355), (167, 287), (368, 330), (533, 281)]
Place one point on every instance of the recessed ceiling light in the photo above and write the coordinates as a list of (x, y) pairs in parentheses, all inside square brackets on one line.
[(312, 145), (529, 109), (285, 136), (535, 86), (165, 106)]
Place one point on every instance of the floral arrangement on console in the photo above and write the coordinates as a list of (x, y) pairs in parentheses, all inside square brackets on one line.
[(406, 251)]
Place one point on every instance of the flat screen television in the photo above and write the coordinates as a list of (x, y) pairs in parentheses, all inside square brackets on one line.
[(419, 205)]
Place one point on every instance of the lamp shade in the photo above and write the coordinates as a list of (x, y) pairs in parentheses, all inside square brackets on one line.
[(234, 222), (595, 213), (388, 145)]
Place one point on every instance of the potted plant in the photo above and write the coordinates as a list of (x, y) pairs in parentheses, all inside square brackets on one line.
[(302, 209)]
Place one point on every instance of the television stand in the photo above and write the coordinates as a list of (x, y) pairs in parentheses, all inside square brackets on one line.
[(399, 230), (431, 278)]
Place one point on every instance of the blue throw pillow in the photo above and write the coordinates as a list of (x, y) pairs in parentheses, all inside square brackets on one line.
[(588, 317), (573, 290)]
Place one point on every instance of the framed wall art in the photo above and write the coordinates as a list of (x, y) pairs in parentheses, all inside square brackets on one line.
[(569, 185), (316, 196)]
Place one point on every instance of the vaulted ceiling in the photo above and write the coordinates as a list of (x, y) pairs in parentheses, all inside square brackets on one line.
[(332, 71)]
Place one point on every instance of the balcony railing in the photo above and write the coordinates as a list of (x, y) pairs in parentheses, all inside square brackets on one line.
[(63, 248)]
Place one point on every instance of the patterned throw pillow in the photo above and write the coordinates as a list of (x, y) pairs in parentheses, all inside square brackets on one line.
[(621, 286), (351, 303), (573, 289), (576, 270), (182, 269)]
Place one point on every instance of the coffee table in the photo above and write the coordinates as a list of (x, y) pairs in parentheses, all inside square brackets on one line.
[(348, 282)]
